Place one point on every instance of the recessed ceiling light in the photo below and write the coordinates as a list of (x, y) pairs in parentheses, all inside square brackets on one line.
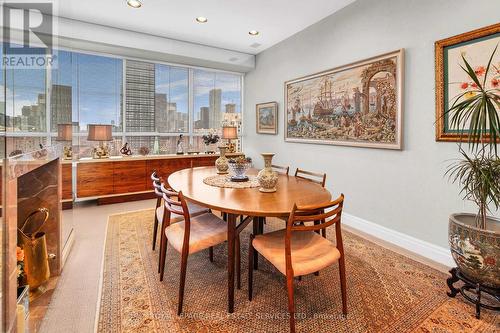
[(253, 32), (134, 3), (201, 19)]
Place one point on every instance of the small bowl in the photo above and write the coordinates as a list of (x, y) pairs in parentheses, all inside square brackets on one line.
[(238, 170)]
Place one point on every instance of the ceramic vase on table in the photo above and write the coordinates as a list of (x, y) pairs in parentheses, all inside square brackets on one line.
[(221, 163), (267, 177)]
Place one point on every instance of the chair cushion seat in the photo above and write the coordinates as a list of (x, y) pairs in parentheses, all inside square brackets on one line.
[(206, 230), (194, 210), (310, 252)]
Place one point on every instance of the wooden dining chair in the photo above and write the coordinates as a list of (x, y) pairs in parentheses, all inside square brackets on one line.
[(160, 209), (298, 250), (193, 234), (319, 178), (281, 169), (159, 197)]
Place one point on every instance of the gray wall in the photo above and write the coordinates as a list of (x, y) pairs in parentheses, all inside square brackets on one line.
[(401, 190)]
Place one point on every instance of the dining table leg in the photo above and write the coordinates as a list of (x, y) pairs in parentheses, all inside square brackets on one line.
[(231, 234), (256, 231)]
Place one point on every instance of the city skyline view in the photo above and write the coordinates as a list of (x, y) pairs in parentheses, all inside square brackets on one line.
[(96, 88), (89, 89)]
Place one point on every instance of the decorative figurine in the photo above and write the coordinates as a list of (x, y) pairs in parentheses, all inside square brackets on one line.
[(67, 153), (100, 152), (41, 153), (125, 150), (180, 148), (144, 150)]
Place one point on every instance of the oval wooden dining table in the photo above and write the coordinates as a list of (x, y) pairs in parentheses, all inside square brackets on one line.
[(248, 202)]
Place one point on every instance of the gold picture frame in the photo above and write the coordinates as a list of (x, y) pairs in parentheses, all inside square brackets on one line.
[(359, 104), (267, 118), (458, 44)]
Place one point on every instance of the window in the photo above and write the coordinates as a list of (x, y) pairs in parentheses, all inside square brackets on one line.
[(148, 104), (99, 91), (171, 99), (86, 89), (25, 100), (217, 100)]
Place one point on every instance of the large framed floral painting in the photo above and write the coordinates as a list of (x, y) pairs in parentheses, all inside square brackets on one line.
[(359, 104), (451, 80)]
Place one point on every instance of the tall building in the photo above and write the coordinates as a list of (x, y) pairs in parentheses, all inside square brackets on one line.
[(161, 112), (215, 108), (140, 102), (231, 108), (204, 117), (140, 96), (33, 116), (60, 105), (166, 115)]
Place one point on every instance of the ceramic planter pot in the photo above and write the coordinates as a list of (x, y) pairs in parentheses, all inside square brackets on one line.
[(267, 177), (221, 163), (476, 251)]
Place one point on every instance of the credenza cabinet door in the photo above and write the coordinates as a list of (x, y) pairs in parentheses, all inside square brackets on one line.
[(129, 177), (94, 179)]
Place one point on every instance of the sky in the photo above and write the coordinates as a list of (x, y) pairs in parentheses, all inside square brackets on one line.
[(99, 80)]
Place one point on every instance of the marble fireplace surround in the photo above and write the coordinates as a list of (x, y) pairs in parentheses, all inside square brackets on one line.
[(32, 181)]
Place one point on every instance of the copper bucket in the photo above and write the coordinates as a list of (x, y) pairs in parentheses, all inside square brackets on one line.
[(34, 244)]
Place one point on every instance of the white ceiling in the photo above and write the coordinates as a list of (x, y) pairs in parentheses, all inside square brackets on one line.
[(228, 20)]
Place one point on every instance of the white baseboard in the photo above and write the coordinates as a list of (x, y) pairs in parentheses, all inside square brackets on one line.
[(425, 249)]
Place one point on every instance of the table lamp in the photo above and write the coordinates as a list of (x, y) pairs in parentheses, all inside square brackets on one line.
[(65, 133), (230, 133), (100, 133)]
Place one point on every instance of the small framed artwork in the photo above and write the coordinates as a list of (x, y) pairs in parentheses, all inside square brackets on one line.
[(267, 118), (451, 80)]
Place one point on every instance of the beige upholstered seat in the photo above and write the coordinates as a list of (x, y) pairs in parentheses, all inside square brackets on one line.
[(298, 250), (310, 251), (206, 230), (194, 210)]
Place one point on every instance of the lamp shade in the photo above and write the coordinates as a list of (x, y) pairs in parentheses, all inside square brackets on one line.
[(99, 133), (229, 132), (64, 132)]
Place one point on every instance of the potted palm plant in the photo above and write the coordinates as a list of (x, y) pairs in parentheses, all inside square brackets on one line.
[(475, 238)]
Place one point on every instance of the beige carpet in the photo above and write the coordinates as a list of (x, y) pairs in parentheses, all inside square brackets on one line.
[(386, 291)]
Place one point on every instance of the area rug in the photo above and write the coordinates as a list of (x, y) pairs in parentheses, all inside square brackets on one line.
[(387, 292)]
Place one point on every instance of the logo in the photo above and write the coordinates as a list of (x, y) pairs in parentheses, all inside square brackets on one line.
[(28, 35)]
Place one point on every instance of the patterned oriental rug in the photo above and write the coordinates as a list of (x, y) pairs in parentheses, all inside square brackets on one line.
[(387, 292)]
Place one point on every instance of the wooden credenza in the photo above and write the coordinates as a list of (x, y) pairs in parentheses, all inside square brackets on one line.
[(128, 178)]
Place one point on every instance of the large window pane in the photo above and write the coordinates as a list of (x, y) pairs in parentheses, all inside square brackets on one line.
[(171, 99), (99, 97), (217, 100), (230, 86), (64, 92), (26, 100)]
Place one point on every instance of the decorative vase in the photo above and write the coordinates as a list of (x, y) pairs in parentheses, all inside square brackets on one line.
[(221, 163), (267, 177), (476, 251)]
